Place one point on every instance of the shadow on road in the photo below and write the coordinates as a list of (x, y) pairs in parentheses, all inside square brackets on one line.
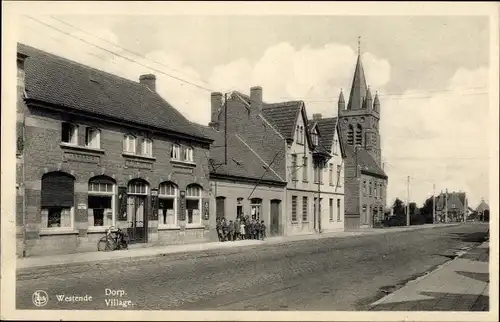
[(483, 277), (439, 302), (475, 237)]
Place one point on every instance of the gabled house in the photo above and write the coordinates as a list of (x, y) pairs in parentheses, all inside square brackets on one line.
[(452, 207), (325, 133), (95, 151), (277, 156), (483, 211)]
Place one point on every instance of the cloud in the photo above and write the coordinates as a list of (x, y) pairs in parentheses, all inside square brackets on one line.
[(436, 137)]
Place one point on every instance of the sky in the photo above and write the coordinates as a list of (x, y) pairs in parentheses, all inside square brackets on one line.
[(431, 73)]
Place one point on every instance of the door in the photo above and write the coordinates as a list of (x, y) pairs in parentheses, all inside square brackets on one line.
[(219, 207), (274, 228), (137, 219)]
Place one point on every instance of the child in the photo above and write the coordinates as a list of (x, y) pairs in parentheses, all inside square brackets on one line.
[(237, 229), (231, 230), (224, 229), (218, 227), (262, 230), (242, 230)]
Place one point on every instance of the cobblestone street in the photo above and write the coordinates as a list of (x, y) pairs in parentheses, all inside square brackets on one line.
[(327, 274)]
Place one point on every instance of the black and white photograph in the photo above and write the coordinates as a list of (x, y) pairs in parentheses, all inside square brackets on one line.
[(250, 161)]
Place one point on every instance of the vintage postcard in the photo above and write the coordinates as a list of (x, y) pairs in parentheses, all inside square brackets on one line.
[(241, 161)]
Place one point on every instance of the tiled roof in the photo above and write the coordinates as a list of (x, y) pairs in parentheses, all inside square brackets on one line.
[(59, 81), (327, 128), (283, 116), (242, 160), (365, 161), (453, 197), (482, 207)]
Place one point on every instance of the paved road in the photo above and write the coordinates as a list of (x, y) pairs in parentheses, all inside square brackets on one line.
[(327, 274)]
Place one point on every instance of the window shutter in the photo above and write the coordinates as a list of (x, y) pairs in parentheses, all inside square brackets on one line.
[(58, 190)]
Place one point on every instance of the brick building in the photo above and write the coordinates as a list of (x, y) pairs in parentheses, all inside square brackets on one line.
[(365, 180), (95, 150), (260, 174)]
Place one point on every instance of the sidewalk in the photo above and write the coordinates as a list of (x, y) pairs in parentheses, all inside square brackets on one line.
[(458, 285), (78, 258)]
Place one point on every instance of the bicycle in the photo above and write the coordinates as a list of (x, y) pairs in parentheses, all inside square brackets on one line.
[(114, 240)]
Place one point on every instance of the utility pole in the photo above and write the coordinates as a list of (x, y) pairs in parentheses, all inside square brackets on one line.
[(434, 203), (408, 204), (225, 128), (446, 207)]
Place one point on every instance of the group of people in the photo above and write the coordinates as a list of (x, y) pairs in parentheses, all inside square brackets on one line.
[(240, 229)]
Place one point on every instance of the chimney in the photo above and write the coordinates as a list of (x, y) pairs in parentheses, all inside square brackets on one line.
[(149, 80), (316, 117), (216, 107), (256, 98)]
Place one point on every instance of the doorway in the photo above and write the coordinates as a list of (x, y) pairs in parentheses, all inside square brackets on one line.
[(137, 216), (220, 207), (274, 228)]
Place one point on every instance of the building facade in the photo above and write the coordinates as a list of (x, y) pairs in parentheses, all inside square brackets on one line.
[(94, 151), (274, 164), (365, 179), (451, 207)]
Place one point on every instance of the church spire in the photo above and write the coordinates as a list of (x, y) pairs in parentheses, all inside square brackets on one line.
[(341, 102), (376, 103), (358, 88)]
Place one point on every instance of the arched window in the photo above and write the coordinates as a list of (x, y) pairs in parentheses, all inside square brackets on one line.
[(255, 208), (371, 189), (364, 188), (375, 191), (359, 135), (167, 197), (129, 143), (57, 200), (350, 135), (101, 202), (193, 204)]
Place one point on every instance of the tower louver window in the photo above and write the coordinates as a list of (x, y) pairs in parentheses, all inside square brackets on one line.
[(359, 137), (350, 135)]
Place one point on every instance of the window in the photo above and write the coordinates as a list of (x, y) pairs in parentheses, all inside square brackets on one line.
[(147, 147), (314, 137), (175, 153), (255, 208), (69, 133), (101, 202), (167, 208), (294, 208), (335, 146), (331, 209), (301, 135), (350, 135), (188, 154), (317, 173), (364, 188), (338, 210), (304, 209), (138, 187), (330, 174), (371, 189), (57, 200), (298, 134), (304, 169), (359, 135), (239, 207), (193, 204), (339, 172), (375, 193), (129, 144), (92, 138), (294, 167)]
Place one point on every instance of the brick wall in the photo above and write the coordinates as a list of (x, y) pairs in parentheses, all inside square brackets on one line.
[(43, 153)]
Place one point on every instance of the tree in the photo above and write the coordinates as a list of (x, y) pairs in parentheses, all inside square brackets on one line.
[(399, 207), (426, 210)]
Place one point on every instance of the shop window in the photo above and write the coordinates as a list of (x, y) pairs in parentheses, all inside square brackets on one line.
[(57, 200)]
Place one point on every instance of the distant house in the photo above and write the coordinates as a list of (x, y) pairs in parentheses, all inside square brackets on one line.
[(451, 207), (483, 211)]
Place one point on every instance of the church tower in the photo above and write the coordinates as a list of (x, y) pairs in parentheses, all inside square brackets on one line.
[(359, 121)]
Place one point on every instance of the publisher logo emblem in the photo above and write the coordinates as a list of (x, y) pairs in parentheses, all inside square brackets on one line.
[(40, 298)]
